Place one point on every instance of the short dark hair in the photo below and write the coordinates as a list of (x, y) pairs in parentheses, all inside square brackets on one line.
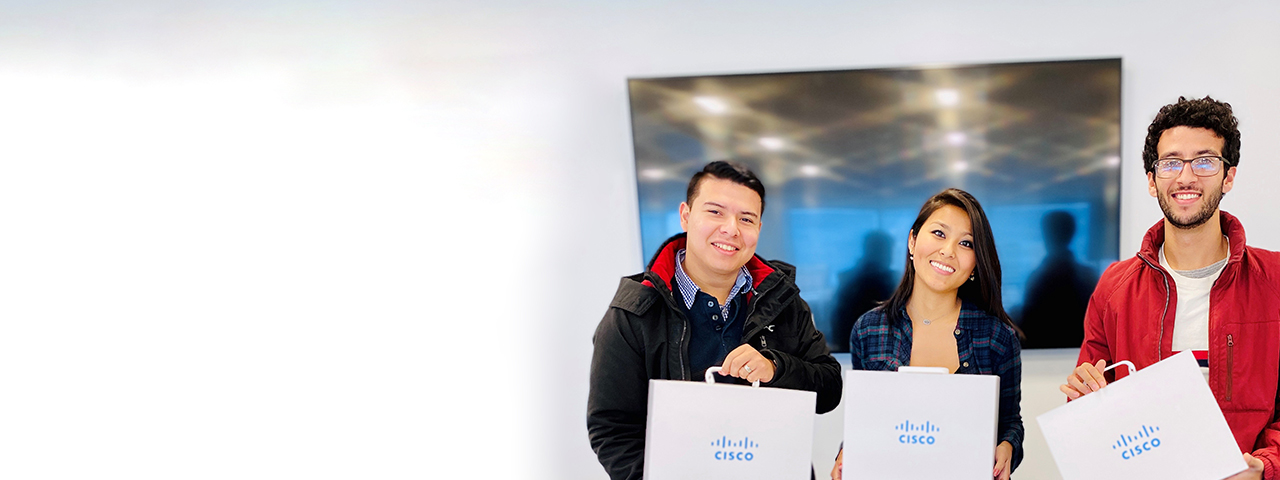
[(1200, 113), (732, 171)]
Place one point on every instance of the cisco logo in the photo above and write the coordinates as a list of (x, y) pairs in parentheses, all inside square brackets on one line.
[(1133, 445), (735, 451), (917, 433)]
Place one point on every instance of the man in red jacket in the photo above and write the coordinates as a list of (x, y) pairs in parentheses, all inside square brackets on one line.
[(1195, 285)]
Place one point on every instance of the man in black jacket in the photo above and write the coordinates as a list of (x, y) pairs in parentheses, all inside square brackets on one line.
[(705, 300)]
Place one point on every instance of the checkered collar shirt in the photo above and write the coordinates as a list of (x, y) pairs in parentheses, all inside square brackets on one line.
[(689, 290), (984, 344)]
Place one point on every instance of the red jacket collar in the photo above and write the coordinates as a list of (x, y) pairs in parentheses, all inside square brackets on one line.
[(1231, 227), (664, 264)]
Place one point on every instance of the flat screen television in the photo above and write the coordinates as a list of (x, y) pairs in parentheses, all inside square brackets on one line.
[(847, 158)]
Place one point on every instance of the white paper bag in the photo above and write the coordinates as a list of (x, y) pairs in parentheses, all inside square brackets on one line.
[(905, 426), (1161, 422), (706, 431)]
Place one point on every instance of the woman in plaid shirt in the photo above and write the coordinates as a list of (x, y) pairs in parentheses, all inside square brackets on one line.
[(948, 307)]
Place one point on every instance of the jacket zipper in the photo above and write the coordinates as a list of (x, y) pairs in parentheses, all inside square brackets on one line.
[(1230, 346), (751, 308), (1160, 339), (684, 325), (681, 348)]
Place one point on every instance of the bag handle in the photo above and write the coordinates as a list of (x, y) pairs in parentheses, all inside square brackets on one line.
[(1126, 363), (934, 370), (710, 379)]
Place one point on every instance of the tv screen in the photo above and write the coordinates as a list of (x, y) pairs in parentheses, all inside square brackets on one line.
[(848, 157)]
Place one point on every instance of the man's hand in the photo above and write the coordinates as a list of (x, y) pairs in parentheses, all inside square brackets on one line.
[(1004, 461), (1254, 472), (1084, 380), (836, 472), (748, 364)]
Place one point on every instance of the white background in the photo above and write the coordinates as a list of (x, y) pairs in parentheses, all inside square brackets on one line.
[(372, 239)]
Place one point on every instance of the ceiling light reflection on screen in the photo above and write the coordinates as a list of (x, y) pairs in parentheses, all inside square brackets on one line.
[(960, 166), (652, 173), (712, 105), (947, 97), (810, 170), (956, 138), (772, 143)]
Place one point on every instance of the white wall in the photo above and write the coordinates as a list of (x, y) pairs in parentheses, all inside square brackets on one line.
[(265, 239)]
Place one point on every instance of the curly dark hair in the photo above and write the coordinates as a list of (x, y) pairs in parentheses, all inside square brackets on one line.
[(1200, 113)]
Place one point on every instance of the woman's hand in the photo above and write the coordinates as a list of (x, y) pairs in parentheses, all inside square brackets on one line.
[(835, 472), (1004, 461)]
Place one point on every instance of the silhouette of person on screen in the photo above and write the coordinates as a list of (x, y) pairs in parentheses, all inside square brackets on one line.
[(1058, 290), (864, 286)]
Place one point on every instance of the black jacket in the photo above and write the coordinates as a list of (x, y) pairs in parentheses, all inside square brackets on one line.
[(645, 335)]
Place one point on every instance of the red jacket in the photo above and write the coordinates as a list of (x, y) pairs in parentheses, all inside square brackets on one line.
[(1131, 315)]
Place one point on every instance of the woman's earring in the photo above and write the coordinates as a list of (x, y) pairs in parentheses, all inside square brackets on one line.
[(972, 275)]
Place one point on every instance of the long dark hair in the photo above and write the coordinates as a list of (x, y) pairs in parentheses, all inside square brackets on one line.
[(984, 291)]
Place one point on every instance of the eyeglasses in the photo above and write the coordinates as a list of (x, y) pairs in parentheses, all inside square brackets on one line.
[(1201, 166)]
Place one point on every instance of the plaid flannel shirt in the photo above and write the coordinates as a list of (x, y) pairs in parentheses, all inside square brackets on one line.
[(986, 346)]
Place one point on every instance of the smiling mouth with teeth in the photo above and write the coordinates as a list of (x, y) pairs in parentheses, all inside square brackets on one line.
[(1186, 195), (942, 267), (724, 247)]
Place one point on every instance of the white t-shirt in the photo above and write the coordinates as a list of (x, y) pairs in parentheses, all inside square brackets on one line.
[(1191, 320)]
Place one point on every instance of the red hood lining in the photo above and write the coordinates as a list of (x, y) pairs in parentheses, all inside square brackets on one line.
[(664, 264)]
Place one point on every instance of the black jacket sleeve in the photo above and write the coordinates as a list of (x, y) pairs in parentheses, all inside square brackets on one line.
[(618, 398), (810, 366)]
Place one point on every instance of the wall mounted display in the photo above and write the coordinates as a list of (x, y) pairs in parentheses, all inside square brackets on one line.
[(848, 156)]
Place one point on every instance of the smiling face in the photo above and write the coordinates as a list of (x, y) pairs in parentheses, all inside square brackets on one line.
[(1187, 200), (723, 224), (942, 251)]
